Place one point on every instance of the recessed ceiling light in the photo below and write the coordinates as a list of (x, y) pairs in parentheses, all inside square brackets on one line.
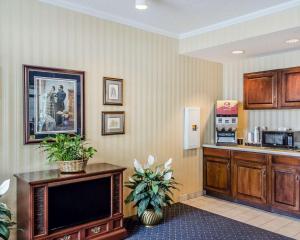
[(293, 40), (141, 4), (238, 52)]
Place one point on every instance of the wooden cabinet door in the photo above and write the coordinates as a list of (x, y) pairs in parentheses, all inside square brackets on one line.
[(285, 188), (260, 90), (289, 88), (250, 182), (217, 175)]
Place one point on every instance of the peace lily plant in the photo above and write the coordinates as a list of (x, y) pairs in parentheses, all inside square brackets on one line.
[(151, 189), (5, 214)]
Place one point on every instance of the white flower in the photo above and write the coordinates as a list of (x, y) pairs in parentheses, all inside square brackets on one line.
[(167, 176), (138, 167), (157, 170), (168, 164), (150, 161), (4, 187)]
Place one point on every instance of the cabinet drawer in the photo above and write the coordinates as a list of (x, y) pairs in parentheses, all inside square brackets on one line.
[(250, 156), (214, 152), (97, 230), (71, 236)]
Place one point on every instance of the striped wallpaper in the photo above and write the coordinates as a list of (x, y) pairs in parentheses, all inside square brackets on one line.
[(158, 84), (233, 89)]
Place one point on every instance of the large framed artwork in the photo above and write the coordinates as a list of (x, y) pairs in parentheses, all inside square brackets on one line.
[(53, 102), (113, 123), (112, 91)]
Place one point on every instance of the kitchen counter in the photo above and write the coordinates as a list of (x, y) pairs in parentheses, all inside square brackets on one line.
[(267, 150)]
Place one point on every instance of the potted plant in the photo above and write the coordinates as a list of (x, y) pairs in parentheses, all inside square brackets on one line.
[(151, 188), (69, 152), (5, 214)]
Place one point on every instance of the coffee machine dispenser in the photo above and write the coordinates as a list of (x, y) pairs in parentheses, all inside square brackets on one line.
[(226, 122)]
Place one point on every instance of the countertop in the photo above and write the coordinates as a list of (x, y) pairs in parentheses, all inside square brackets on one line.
[(267, 150)]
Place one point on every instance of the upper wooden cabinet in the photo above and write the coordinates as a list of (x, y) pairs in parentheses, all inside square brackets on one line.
[(275, 89), (289, 95), (260, 90)]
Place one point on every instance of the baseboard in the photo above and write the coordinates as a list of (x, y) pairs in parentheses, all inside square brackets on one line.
[(188, 196)]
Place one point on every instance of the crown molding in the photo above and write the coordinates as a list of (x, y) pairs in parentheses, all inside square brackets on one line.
[(149, 28), (109, 17), (241, 19)]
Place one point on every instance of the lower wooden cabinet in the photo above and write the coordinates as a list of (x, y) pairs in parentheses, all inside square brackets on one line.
[(286, 183), (249, 177), (271, 182), (250, 182), (217, 174), (217, 171)]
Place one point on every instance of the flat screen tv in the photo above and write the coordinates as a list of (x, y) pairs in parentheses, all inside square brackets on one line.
[(78, 203)]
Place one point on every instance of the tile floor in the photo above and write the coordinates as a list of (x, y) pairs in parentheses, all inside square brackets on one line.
[(270, 221)]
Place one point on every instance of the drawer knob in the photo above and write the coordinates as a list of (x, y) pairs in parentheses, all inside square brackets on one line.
[(66, 237), (96, 229)]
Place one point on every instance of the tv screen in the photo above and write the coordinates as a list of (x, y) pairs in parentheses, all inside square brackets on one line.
[(78, 203)]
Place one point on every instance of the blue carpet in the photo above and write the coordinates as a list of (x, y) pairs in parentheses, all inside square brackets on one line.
[(183, 222)]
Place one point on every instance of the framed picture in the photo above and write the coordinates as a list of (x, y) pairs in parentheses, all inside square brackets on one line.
[(113, 123), (112, 91), (53, 102)]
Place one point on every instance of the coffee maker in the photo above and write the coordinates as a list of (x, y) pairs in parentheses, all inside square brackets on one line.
[(226, 122)]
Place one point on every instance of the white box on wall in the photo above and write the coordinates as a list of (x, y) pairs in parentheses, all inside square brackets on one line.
[(191, 128)]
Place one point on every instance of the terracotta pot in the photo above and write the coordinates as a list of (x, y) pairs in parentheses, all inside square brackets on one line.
[(74, 166), (150, 218)]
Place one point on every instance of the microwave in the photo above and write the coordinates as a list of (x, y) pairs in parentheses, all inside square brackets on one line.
[(281, 139)]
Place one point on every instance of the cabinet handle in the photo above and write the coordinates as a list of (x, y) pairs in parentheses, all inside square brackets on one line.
[(264, 172), (297, 178), (96, 229), (66, 237)]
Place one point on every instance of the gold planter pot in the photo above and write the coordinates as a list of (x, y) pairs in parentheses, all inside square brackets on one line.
[(74, 166), (150, 218)]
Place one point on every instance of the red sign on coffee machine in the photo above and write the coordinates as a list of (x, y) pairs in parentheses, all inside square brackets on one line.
[(227, 108)]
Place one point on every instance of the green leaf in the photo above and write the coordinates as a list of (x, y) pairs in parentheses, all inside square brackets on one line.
[(129, 198), (155, 188), (140, 187), (140, 196), (4, 232), (143, 206)]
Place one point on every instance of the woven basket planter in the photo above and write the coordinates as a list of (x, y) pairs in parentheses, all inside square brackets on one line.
[(74, 166)]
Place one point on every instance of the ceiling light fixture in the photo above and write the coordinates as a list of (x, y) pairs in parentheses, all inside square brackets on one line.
[(141, 4), (293, 40), (238, 52)]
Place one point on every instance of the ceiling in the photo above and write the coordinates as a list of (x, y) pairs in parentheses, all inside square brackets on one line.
[(254, 47), (175, 17)]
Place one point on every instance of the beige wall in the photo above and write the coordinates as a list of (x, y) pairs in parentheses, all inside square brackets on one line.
[(233, 88), (158, 84)]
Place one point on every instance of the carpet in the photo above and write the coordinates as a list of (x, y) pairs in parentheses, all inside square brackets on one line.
[(183, 222)]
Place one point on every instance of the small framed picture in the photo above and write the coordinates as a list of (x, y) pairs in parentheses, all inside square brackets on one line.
[(113, 123), (112, 91), (53, 102)]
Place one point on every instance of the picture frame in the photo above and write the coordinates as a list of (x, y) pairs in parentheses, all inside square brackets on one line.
[(112, 91), (53, 102), (113, 122)]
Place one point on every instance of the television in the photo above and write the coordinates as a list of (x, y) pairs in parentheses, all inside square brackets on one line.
[(78, 203)]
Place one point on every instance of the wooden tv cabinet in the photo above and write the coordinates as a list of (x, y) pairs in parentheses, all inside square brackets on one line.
[(32, 205)]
